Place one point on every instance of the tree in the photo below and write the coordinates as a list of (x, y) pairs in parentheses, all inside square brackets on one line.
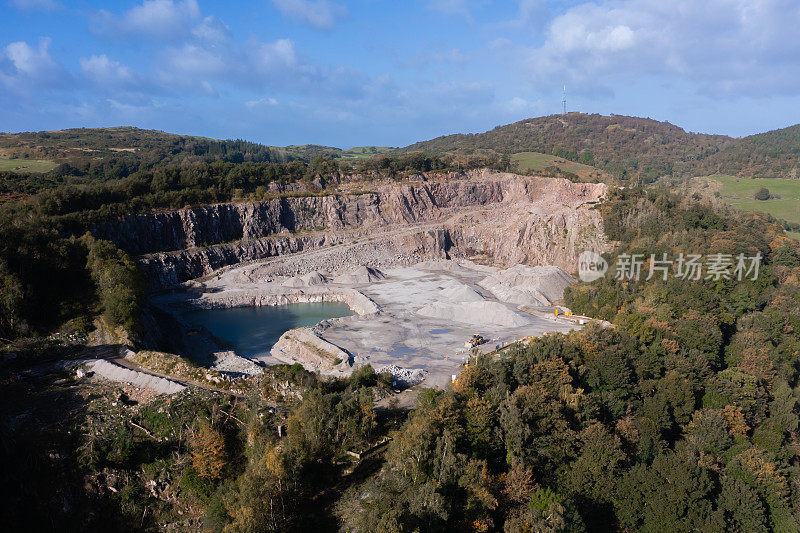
[(672, 494), (547, 512), (120, 283), (709, 433), (11, 298), (591, 478), (208, 451), (762, 194), (742, 507), (535, 432)]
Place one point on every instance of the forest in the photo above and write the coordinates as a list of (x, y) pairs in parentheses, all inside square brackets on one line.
[(681, 416)]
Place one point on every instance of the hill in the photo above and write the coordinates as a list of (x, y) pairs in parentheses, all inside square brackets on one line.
[(634, 148), (112, 153), (627, 147), (773, 154)]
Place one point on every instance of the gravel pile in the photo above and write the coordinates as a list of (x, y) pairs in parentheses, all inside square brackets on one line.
[(236, 366), (478, 313), (312, 279), (113, 372), (404, 377), (359, 276), (458, 292), (528, 285)]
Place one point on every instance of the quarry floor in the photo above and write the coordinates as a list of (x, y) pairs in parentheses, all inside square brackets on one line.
[(415, 317), (401, 336)]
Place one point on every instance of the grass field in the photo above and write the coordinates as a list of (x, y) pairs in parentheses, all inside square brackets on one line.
[(362, 152), (537, 161), (27, 165), (739, 192)]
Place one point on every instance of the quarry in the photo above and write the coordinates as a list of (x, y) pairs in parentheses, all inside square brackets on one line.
[(425, 264)]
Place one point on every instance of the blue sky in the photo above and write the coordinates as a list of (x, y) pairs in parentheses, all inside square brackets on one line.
[(380, 72)]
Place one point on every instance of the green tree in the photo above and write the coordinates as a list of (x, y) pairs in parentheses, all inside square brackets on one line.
[(671, 495), (762, 194)]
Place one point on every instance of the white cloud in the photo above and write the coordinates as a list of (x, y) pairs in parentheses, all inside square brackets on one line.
[(261, 101), (27, 70), (34, 64), (35, 5), (500, 43), (202, 54), (102, 70), (164, 19), (279, 52), (530, 10), (254, 64), (193, 60), (212, 30), (209, 89), (720, 46), (320, 14), (431, 55), (521, 106)]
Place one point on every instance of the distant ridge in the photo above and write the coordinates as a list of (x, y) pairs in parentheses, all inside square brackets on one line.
[(630, 148), (634, 147)]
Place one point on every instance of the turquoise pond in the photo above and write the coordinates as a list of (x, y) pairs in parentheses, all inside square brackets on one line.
[(251, 331)]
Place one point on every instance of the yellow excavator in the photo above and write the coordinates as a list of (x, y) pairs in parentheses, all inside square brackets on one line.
[(475, 340)]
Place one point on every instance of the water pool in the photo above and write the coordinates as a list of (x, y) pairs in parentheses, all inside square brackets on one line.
[(252, 331)]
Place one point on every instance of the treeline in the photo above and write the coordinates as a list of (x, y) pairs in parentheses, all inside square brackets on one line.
[(47, 280), (766, 155), (113, 153)]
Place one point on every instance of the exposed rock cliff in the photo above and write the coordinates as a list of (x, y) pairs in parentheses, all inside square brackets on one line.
[(505, 218)]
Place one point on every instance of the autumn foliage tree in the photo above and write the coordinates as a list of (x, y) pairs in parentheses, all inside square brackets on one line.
[(208, 451)]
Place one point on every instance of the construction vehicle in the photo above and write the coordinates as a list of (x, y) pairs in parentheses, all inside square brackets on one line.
[(475, 340)]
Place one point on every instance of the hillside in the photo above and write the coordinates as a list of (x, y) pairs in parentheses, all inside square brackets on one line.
[(772, 154), (630, 147), (74, 145), (623, 146), (113, 153), (547, 164)]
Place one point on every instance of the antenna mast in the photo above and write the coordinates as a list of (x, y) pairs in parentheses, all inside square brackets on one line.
[(564, 102)]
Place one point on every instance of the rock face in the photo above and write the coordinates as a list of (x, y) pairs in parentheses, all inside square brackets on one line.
[(505, 218)]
